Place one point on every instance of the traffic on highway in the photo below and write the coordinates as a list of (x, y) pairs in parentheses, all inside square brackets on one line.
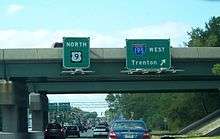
[(120, 129), (110, 69)]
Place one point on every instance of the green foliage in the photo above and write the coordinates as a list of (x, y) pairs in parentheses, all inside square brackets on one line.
[(164, 111), (72, 115), (114, 105), (90, 115), (207, 37), (185, 109), (216, 69), (111, 98)]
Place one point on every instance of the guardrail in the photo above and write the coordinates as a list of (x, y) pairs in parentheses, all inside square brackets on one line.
[(200, 122)]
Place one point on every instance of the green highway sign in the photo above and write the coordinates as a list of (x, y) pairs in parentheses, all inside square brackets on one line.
[(53, 106), (64, 106), (76, 52), (149, 54)]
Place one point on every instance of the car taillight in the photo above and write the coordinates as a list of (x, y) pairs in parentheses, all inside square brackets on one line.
[(146, 135), (112, 135)]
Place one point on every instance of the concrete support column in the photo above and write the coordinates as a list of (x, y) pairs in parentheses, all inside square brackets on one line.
[(39, 110), (14, 119), (13, 103)]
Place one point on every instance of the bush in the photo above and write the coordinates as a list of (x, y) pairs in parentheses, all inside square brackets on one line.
[(216, 69)]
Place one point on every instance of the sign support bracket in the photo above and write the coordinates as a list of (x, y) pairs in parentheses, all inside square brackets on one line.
[(149, 71), (78, 71)]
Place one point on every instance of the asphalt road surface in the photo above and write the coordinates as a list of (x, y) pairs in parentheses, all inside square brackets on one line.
[(89, 135), (85, 135)]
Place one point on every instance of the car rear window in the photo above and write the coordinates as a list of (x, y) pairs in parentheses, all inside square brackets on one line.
[(129, 124), (54, 126), (72, 127), (103, 124), (100, 127)]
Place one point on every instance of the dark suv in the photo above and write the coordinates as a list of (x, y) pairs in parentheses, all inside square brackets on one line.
[(54, 130), (72, 130)]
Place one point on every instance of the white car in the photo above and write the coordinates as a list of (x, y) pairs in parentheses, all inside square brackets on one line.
[(100, 131)]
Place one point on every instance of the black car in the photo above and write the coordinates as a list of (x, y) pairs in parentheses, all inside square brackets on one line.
[(72, 130), (54, 130)]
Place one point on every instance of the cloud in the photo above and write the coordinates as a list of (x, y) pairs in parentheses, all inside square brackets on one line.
[(176, 32), (24, 39), (14, 8), (42, 38)]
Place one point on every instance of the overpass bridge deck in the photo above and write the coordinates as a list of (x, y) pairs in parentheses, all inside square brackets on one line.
[(105, 53), (42, 69)]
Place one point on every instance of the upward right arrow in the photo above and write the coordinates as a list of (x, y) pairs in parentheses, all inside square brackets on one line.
[(163, 61)]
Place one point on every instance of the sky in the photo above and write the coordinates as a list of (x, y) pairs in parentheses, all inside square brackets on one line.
[(86, 102), (38, 24)]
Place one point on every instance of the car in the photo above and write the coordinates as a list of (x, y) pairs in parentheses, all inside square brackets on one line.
[(72, 130), (84, 128), (104, 123), (54, 130), (100, 131), (126, 129), (81, 129)]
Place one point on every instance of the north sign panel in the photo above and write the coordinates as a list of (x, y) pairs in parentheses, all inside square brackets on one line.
[(76, 52)]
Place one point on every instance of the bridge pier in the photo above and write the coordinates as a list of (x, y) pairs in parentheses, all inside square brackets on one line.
[(39, 110), (13, 103)]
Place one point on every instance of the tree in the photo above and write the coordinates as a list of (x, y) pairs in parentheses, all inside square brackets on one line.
[(90, 115), (216, 69), (115, 107), (142, 106), (207, 37), (162, 111)]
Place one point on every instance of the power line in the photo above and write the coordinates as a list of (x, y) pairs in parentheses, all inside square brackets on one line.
[(87, 104)]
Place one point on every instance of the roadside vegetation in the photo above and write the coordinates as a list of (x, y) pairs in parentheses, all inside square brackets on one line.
[(163, 111)]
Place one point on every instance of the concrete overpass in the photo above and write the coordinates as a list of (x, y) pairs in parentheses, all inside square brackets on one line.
[(40, 71)]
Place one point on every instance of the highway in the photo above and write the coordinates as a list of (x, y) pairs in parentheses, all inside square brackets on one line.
[(89, 135), (85, 135)]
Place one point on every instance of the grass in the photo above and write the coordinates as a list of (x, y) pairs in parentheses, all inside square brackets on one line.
[(216, 137)]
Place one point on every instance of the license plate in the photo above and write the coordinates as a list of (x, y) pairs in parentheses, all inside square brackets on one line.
[(129, 136)]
